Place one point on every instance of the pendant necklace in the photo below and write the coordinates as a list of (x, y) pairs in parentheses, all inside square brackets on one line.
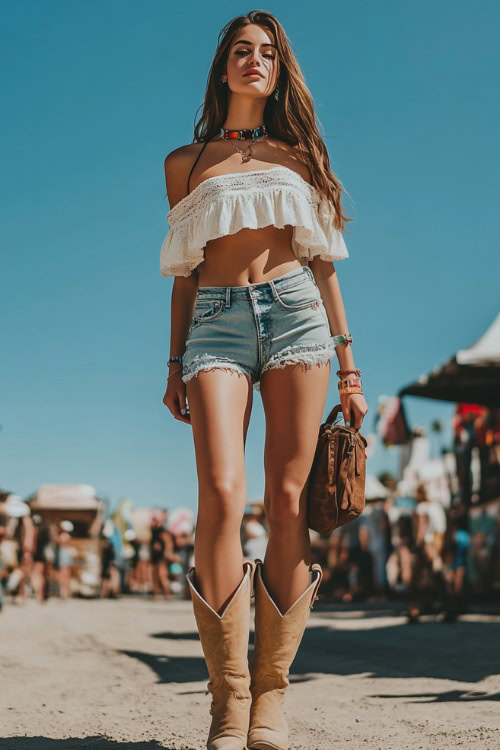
[(255, 134)]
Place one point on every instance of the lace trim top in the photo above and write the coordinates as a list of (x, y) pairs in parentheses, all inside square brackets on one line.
[(225, 204)]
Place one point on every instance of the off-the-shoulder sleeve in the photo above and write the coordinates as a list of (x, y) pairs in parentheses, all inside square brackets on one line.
[(335, 246), (224, 204), (177, 256), (314, 232)]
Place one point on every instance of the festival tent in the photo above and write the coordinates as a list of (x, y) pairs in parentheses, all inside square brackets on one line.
[(470, 376)]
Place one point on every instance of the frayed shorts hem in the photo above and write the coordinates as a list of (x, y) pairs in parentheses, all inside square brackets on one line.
[(298, 354), (207, 362)]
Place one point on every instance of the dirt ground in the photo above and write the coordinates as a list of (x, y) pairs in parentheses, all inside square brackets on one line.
[(129, 675)]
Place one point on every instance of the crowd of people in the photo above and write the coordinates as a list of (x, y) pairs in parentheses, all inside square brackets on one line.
[(408, 549), (38, 558), (434, 554), (415, 550)]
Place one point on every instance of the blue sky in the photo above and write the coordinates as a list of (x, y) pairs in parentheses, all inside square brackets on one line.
[(99, 92)]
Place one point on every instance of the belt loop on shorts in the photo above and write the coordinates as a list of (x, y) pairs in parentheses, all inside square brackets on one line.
[(228, 296), (273, 289), (308, 269)]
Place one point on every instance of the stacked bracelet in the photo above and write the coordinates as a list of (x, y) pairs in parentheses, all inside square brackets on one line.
[(350, 385)]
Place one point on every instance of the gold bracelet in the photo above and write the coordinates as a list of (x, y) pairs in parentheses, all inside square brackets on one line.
[(348, 381), (351, 389)]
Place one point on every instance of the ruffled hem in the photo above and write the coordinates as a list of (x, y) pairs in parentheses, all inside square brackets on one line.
[(314, 232)]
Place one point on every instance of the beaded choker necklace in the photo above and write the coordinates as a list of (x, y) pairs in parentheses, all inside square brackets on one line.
[(252, 133)]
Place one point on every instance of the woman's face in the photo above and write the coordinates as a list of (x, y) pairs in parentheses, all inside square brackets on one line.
[(252, 49)]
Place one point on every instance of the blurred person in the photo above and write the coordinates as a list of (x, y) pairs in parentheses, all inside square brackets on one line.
[(178, 568), (143, 569), (20, 535), (27, 547), (339, 563), (465, 421), (483, 440), (400, 561), (4, 573), (10, 573), (64, 558), (254, 538), (110, 574), (455, 550), (484, 529), (376, 521), (161, 547), (361, 573), (131, 554), (43, 557), (427, 569)]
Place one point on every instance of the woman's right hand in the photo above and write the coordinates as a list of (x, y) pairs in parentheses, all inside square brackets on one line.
[(175, 396)]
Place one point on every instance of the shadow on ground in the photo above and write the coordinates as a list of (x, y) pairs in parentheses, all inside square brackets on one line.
[(460, 651), (79, 743)]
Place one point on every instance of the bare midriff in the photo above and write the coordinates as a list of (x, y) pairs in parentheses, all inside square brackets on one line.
[(249, 256)]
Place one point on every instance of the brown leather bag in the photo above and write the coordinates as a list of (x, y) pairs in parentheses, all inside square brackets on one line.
[(336, 484)]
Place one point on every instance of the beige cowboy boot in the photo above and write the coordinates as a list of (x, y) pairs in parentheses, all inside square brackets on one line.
[(277, 639), (224, 640)]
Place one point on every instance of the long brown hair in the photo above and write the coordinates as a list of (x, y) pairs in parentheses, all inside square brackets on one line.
[(291, 118)]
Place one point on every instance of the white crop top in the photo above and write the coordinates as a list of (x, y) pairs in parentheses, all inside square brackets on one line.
[(224, 204)]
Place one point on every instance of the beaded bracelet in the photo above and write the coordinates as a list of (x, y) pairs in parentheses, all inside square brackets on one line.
[(356, 371)]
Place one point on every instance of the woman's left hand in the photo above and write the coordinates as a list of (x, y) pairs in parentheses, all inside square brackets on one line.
[(354, 408)]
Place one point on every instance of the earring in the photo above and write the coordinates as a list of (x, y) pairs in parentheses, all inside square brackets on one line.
[(223, 81), (276, 92)]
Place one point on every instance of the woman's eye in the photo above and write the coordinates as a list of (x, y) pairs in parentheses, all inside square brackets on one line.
[(246, 51)]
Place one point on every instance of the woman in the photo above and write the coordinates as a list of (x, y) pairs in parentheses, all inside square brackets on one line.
[(255, 302)]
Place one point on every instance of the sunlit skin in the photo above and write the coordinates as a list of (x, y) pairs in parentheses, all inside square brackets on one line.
[(220, 402)]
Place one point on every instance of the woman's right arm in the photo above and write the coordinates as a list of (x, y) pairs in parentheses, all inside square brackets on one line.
[(184, 290)]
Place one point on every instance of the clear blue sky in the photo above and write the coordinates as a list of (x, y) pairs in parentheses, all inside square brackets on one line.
[(97, 93)]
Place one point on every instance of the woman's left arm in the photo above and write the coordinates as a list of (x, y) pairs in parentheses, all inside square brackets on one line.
[(354, 406)]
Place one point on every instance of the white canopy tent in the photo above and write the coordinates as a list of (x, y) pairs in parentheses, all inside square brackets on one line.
[(471, 376), (486, 350)]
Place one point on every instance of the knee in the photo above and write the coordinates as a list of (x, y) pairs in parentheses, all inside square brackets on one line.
[(283, 507), (221, 502)]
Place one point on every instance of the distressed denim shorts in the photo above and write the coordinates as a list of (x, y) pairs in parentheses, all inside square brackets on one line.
[(254, 328)]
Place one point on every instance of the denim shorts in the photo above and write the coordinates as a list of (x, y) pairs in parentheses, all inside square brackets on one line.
[(254, 328)]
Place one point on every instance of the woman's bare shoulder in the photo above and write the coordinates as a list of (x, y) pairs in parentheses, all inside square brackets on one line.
[(177, 166), (182, 154), (289, 156)]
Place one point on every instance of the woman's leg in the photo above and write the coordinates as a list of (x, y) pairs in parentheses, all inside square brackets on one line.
[(294, 398), (220, 404)]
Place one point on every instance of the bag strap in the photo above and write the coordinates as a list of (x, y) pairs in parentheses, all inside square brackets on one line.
[(333, 414)]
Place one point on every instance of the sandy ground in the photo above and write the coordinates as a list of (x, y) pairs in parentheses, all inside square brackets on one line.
[(129, 675)]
